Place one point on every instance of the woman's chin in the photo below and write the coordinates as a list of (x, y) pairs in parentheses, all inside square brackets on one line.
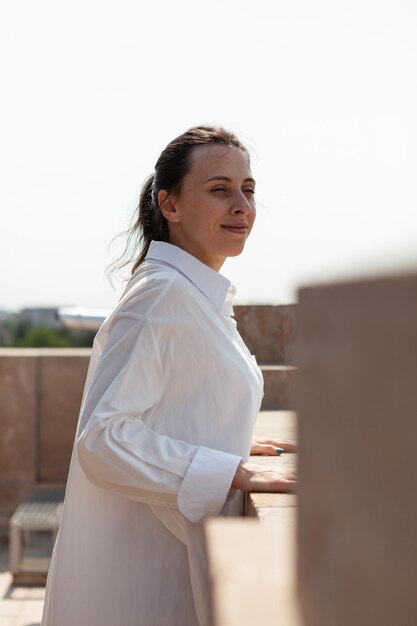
[(236, 249)]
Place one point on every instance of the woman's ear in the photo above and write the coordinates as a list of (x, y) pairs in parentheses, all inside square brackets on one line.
[(167, 206)]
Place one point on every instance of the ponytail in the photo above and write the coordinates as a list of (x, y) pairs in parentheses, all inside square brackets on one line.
[(150, 221), (147, 224)]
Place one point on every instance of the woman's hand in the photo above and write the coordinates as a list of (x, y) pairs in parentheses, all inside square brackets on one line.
[(252, 477), (263, 445)]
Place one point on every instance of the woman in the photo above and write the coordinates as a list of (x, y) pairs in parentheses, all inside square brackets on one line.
[(167, 416)]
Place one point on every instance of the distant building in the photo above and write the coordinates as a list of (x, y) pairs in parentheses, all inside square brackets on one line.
[(41, 316)]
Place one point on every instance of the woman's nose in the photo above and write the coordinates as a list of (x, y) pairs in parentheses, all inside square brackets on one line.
[(241, 203)]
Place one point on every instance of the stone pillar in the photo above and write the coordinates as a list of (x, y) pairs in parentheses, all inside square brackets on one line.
[(357, 403)]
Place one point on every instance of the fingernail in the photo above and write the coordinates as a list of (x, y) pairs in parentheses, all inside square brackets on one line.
[(279, 450)]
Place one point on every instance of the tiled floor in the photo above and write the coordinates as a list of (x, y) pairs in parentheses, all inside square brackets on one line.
[(19, 606)]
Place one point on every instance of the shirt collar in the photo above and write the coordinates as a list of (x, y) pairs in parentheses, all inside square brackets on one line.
[(212, 284)]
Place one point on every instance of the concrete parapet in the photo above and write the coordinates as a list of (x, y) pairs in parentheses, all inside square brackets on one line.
[(18, 417), (278, 387), (268, 331), (40, 395), (62, 380), (357, 405), (18, 429)]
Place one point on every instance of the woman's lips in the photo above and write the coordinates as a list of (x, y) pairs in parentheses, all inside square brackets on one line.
[(238, 229)]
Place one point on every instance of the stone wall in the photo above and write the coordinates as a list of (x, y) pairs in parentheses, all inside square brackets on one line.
[(268, 331), (40, 396), (18, 429)]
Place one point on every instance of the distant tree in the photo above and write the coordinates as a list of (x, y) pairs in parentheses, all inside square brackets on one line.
[(42, 337), (23, 334), (79, 338), (21, 330)]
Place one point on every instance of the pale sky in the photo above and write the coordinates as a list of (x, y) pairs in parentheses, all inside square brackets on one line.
[(325, 94)]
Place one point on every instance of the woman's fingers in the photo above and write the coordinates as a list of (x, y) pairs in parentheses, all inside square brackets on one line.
[(263, 445), (267, 448)]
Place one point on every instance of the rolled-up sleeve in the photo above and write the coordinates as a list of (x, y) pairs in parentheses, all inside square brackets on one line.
[(117, 451)]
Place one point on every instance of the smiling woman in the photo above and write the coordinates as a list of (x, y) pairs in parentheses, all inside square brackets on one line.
[(199, 171), (214, 211), (168, 411)]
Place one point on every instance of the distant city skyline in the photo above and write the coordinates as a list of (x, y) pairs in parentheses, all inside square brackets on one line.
[(323, 93)]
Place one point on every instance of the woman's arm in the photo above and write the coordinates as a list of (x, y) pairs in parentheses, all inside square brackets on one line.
[(119, 452)]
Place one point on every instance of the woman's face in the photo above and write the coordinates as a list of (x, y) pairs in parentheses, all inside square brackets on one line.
[(213, 213)]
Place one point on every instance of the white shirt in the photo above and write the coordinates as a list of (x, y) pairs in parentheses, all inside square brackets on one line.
[(168, 411)]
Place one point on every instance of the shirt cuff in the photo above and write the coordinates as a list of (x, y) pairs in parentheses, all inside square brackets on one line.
[(206, 484)]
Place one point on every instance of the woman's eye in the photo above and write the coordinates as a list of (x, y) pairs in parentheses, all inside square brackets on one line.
[(246, 190)]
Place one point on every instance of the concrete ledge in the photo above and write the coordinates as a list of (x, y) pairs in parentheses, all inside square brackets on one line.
[(261, 505), (38, 352), (279, 425), (251, 571), (252, 561)]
